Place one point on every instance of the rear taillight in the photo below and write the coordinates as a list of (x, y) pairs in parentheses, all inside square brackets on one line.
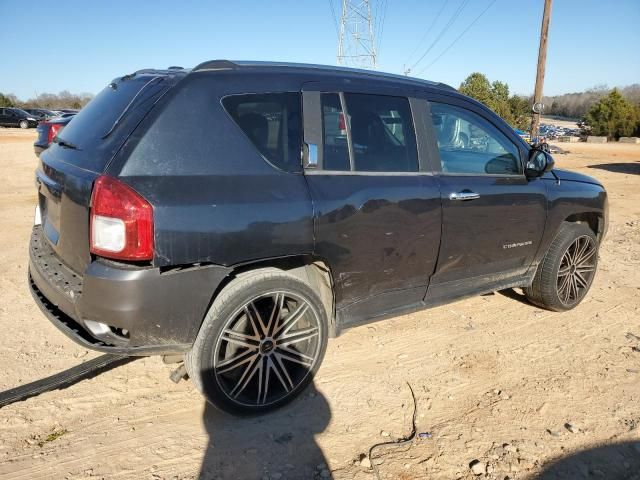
[(121, 222), (54, 129)]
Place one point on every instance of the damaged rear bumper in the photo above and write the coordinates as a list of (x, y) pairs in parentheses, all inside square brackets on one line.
[(118, 308)]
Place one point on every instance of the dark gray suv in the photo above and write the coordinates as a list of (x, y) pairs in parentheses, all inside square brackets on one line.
[(241, 213)]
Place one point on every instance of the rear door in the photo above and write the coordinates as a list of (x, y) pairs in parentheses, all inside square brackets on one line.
[(492, 216), (376, 206)]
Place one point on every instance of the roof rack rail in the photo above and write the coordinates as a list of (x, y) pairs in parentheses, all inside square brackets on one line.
[(215, 65), (239, 64)]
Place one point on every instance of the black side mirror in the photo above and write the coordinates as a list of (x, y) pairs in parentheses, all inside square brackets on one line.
[(538, 164)]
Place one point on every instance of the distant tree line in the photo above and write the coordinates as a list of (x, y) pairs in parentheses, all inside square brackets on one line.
[(51, 101), (577, 105), (611, 113)]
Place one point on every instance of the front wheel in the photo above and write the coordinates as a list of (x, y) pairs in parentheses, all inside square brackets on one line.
[(23, 124), (260, 344), (567, 271)]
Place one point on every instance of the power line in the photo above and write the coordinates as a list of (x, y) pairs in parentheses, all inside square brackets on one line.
[(458, 37), (427, 31), (453, 18), (382, 6), (335, 19)]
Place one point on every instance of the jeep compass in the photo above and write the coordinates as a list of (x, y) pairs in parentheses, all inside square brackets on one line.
[(242, 213)]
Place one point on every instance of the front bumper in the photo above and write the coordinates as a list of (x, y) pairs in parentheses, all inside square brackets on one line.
[(160, 312)]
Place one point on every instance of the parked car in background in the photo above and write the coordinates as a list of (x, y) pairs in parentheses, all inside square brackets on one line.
[(47, 131), (524, 135), (323, 198), (40, 113), (16, 117)]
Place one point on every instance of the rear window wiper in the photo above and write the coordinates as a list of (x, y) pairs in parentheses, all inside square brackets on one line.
[(65, 144), (128, 107)]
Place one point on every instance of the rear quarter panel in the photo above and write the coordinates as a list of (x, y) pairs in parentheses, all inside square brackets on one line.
[(215, 198)]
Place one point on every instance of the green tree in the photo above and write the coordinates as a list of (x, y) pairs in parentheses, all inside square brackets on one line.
[(513, 109), (477, 86), (520, 109), (5, 101), (500, 101), (612, 116)]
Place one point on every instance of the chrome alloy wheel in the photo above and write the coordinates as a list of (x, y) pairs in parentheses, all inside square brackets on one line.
[(577, 269), (267, 349)]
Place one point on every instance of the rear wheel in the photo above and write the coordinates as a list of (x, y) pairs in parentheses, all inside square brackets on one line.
[(23, 124), (260, 344), (567, 271)]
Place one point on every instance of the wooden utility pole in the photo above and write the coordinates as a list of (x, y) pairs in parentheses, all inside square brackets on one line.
[(542, 60)]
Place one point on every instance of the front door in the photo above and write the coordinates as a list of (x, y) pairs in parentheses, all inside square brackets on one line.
[(492, 216), (376, 209)]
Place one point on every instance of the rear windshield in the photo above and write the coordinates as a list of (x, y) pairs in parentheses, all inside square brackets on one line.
[(101, 123)]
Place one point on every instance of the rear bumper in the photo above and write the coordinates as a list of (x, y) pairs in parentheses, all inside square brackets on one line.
[(160, 312)]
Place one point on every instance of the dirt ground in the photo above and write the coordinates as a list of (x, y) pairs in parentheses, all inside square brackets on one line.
[(526, 392)]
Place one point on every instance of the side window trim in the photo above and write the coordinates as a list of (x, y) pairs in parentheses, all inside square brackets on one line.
[(312, 129), (434, 141), (347, 124), (428, 154)]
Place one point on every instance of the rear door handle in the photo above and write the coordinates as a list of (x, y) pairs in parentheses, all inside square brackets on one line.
[(464, 195)]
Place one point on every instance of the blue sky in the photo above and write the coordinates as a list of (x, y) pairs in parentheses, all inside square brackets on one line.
[(591, 42)]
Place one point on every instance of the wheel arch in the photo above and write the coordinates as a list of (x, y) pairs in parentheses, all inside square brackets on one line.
[(313, 270), (594, 220)]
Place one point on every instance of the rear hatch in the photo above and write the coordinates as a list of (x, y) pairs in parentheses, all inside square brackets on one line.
[(83, 150)]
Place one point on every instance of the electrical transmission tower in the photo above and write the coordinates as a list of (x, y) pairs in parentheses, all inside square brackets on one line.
[(356, 45)]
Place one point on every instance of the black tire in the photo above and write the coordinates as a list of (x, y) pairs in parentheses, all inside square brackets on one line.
[(567, 270), (276, 369), (23, 124)]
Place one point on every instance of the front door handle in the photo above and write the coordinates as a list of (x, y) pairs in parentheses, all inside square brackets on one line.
[(464, 195)]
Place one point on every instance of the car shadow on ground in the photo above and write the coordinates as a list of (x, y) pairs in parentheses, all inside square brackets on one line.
[(618, 461), (271, 446), (628, 168), (513, 295)]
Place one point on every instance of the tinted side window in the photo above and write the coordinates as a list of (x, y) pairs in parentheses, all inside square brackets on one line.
[(470, 144), (382, 133), (273, 123), (334, 131)]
